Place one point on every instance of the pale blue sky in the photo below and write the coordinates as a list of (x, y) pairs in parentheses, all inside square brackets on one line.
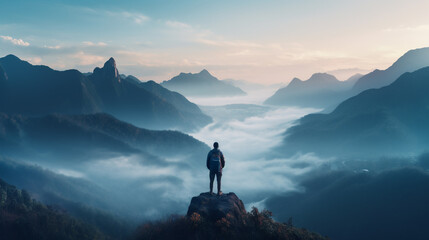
[(262, 41)]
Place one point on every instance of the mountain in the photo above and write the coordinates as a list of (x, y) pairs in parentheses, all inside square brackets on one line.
[(319, 91), (409, 62), (38, 90), (201, 84), (388, 121), (80, 198), (351, 81), (192, 112), (24, 218), (360, 205), (79, 138), (327, 93)]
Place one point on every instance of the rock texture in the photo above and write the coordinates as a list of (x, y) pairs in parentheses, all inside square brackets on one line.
[(216, 207), (212, 217)]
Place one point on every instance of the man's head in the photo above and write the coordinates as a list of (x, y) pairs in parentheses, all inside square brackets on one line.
[(216, 145)]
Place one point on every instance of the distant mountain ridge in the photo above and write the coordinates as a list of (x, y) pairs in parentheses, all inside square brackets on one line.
[(327, 93), (39, 90), (409, 62), (319, 91), (201, 84), (381, 122)]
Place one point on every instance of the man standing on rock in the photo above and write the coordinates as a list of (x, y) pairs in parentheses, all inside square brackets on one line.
[(215, 163)]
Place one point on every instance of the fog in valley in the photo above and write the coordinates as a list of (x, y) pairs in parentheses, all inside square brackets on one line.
[(147, 186)]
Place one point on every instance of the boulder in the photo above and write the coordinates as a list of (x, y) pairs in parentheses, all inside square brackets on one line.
[(214, 207)]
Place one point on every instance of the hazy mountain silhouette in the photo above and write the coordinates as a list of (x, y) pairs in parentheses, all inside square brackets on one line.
[(353, 79), (36, 90), (73, 138), (328, 94), (409, 62), (387, 121), (192, 111), (349, 205), (319, 91), (201, 84)]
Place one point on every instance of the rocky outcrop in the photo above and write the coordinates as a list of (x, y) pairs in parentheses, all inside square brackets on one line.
[(212, 217), (214, 207)]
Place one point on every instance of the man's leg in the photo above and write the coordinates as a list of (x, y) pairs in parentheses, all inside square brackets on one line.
[(212, 175), (219, 178)]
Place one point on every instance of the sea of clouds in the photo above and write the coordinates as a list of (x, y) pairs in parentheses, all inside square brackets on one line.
[(247, 131)]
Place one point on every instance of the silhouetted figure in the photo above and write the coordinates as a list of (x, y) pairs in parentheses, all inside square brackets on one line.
[(215, 163)]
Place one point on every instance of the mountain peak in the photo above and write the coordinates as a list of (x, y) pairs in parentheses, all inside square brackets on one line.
[(12, 57), (205, 72), (322, 77), (109, 69), (295, 79), (412, 57), (111, 64)]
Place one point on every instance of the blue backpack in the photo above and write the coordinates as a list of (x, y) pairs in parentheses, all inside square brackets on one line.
[(215, 164)]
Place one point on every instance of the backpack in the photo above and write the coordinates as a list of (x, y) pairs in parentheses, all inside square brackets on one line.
[(215, 164)]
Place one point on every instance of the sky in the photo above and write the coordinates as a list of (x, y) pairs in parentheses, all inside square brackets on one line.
[(267, 41)]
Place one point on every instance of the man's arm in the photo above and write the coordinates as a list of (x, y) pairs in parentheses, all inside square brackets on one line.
[(208, 159), (222, 160)]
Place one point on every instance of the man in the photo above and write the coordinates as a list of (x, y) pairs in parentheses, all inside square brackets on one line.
[(215, 163)]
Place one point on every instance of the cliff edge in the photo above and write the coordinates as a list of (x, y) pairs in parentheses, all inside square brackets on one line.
[(213, 217), (214, 207)]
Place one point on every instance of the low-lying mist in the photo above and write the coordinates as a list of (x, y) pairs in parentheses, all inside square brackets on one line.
[(246, 143), (153, 189)]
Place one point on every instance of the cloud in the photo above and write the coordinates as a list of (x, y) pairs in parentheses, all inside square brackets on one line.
[(177, 24), (97, 44), (56, 47), (418, 28), (16, 41), (136, 17), (88, 59), (224, 43), (207, 37), (246, 137), (35, 60)]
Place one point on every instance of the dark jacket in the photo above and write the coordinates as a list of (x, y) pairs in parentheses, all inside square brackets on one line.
[(215, 152)]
